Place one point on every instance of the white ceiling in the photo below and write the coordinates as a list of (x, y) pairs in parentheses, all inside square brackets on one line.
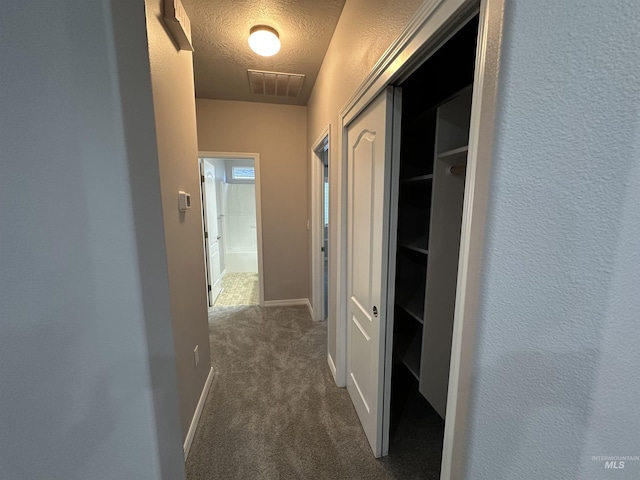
[(220, 29)]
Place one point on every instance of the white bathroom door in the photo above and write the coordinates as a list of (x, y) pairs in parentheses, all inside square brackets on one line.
[(212, 235), (369, 138)]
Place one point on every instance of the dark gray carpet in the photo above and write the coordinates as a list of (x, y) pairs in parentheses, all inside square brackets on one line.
[(274, 412)]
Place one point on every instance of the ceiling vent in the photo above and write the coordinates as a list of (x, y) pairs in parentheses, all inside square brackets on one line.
[(275, 84)]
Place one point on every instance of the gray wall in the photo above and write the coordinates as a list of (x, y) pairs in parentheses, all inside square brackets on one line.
[(175, 119), (558, 363), (86, 355)]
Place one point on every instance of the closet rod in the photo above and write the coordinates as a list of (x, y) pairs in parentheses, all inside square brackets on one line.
[(458, 170)]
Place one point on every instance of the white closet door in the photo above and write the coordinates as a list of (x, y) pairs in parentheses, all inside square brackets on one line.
[(368, 177)]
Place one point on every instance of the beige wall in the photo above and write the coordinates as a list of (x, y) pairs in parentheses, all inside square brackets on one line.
[(279, 134), (175, 116), (365, 30)]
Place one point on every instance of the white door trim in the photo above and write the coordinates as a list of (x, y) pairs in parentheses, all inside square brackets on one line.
[(430, 26), (316, 230), (474, 212), (256, 162)]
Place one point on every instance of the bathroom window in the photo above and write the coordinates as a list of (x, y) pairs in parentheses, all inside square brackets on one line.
[(243, 173), (240, 171)]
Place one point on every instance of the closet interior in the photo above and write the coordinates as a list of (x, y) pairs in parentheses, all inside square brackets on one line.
[(430, 182)]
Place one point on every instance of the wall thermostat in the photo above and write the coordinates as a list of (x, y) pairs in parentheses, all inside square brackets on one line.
[(184, 201)]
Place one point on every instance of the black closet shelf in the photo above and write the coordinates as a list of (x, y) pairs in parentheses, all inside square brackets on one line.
[(413, 366), (416, 242), (419, 178), (414, 306), (416, 247), (407, 348), (454, 155)]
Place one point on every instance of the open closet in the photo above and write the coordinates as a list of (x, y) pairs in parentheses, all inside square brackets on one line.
[(429, 184)]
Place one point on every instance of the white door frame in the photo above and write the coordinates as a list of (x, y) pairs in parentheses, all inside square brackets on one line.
[(317, 222), (434, 22), (256, 163)]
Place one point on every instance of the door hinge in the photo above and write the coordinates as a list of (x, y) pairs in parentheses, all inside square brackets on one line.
[(206, 235), (209, 287), (322, 249), (201, 178)]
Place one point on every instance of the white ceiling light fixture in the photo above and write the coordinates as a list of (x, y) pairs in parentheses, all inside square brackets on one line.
[(264, 40)]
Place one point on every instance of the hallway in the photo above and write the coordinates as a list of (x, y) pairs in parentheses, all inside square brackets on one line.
[(274, 412)]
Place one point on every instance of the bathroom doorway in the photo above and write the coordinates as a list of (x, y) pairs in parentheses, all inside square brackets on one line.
[(320, 225), (232, 228)]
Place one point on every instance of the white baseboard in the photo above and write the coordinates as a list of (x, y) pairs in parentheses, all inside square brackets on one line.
[(332, 367), (310, 308), (287, 303), (197, 413)]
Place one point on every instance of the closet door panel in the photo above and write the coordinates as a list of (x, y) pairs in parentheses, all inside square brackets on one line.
[(368, 184)]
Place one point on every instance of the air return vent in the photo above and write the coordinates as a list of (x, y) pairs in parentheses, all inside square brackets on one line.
[(275, 84)]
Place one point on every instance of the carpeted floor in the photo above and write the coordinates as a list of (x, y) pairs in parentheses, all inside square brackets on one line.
[(238, 289), (274, 412)]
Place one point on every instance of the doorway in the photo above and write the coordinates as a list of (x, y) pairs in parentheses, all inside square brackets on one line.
[(320, 225), (454, 162), (232, 228), (325, 231)]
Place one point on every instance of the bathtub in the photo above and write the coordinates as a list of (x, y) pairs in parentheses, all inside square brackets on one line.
[(235, 262)]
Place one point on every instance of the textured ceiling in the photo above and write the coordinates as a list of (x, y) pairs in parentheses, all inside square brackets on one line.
[(220, 29)]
